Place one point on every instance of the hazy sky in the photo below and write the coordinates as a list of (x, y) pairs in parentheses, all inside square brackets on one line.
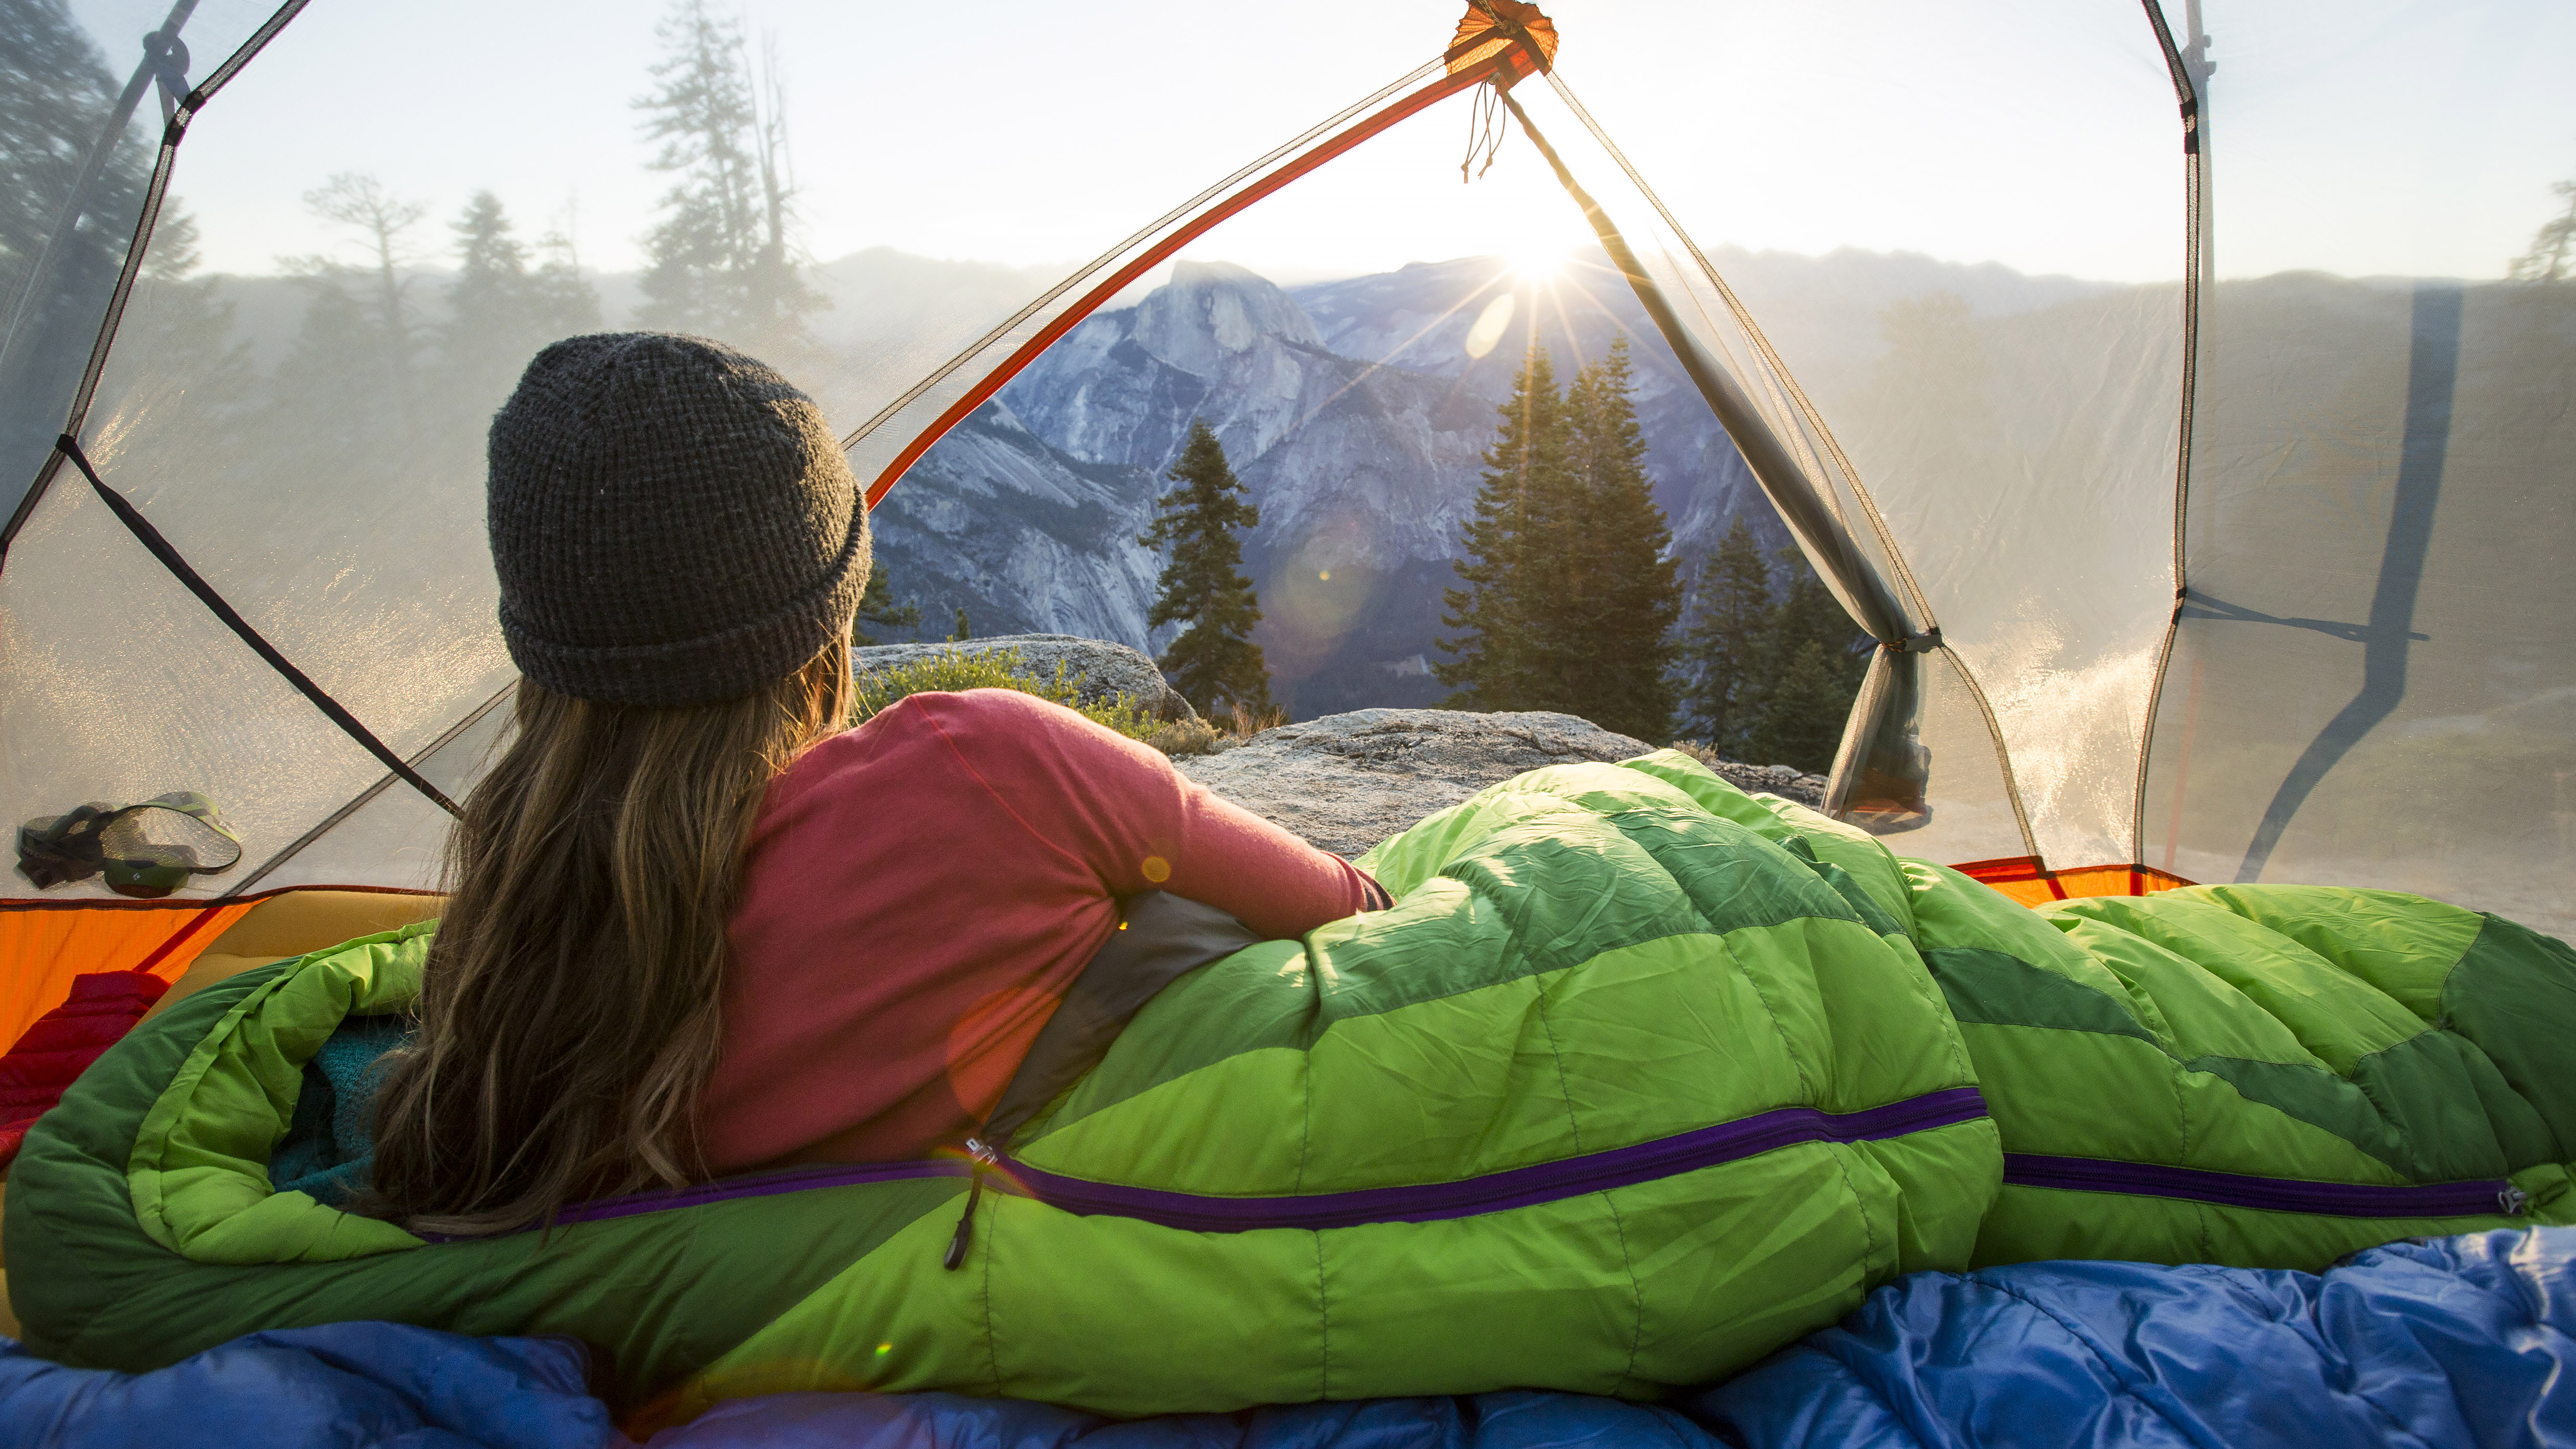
[(2362, 137)]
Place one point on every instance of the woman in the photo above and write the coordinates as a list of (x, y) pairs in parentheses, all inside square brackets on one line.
[(695, 928)]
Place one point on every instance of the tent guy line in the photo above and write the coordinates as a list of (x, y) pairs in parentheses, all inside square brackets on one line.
[(150, 537)]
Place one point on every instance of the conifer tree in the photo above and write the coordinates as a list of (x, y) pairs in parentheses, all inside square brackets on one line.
[(1805, 707), (1729, 648), (1608, 634), (877, 606), (500, 311), (1202, 587), (56, 94), (1569, 601), (1497, 662), (345, 399), (719, 260), (961, 632)]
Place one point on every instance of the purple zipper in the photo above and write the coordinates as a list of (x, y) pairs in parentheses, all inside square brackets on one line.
[(767, 1184), (1424, 1203), (1501, 1191), (2272, 1194)]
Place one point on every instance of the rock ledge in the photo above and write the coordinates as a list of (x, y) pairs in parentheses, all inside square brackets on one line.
[(1098, 668), (1347, 781)]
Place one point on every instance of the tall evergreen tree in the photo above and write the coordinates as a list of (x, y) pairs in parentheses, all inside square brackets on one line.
[(1805, 707), (1496, 661), (1569, 601), (499, 310), (1609, 635), (59, 252), (720, 260), (1202, 587), (1815, 659), (1728, 651), (877, 606)]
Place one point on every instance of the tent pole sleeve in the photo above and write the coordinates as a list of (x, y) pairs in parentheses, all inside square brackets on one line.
[(1868, 714), (2186, 72), (1136, 266), (159, 547), (1783, 481)]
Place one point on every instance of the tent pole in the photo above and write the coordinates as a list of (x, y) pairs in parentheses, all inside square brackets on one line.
[(1786, 484), (2189, 73)]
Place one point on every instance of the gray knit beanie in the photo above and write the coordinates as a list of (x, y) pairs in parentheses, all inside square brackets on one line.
[(672, 521)]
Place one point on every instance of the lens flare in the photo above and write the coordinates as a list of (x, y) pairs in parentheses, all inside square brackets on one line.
[(1489, 326)]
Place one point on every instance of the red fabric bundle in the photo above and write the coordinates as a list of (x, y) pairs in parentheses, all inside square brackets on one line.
[(102, 1008)]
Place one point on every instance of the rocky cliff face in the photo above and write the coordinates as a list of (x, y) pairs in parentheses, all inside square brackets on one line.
[(1025, 537), (1356, 412)]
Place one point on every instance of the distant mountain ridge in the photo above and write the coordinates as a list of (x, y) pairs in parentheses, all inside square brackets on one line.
[(1356, 412)]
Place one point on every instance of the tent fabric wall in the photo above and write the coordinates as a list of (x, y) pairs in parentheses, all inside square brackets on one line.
[(2371, 681), (2346, 693)]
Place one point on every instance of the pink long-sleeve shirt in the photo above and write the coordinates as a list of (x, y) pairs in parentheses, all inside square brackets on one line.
[(920, 891)]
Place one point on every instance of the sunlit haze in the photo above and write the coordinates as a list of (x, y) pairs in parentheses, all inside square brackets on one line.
[(2034, 133)]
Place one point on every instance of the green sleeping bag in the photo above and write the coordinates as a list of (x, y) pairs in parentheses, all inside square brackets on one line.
[(1641, 1079)]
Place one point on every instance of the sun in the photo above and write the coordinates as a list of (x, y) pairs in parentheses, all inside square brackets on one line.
[(1537, 263)]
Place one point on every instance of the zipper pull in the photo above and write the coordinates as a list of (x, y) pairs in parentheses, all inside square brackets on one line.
[(983, 1156), (2513, 1200)]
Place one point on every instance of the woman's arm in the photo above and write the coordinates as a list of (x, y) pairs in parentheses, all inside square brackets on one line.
[(1136, 823)]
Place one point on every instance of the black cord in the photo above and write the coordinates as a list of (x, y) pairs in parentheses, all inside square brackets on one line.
[(150, 537)]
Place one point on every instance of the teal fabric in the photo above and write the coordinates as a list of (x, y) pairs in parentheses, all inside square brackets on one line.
[(330, 1142)]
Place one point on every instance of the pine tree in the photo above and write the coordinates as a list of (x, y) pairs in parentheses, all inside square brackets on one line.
[(1202, 587), (56, 96), (720, 259), (1729, 648), (2548, 260), (500, 312), (1617, 594), (1496, 661), (877, 606), (960, 633), (1804, 709), (1816, 661), (346, 402)]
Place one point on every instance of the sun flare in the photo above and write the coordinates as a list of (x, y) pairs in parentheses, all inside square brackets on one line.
[(1537, 264)]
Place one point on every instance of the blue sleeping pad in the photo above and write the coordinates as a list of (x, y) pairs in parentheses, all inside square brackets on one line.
[(352, 1384), (2461, 1343), (2452, 1342)]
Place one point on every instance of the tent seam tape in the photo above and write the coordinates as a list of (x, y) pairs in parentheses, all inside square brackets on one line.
[(2003, 752), (2195, 141), (167, 554)]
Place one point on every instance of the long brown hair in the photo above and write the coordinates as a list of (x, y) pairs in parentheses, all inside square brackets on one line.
[(571, 1007)]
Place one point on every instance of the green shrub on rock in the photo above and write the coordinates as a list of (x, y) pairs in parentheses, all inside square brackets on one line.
[(955, 669)]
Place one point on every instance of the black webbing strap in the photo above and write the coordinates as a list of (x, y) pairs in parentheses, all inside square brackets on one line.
[(150, 537), (1160, 939)]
